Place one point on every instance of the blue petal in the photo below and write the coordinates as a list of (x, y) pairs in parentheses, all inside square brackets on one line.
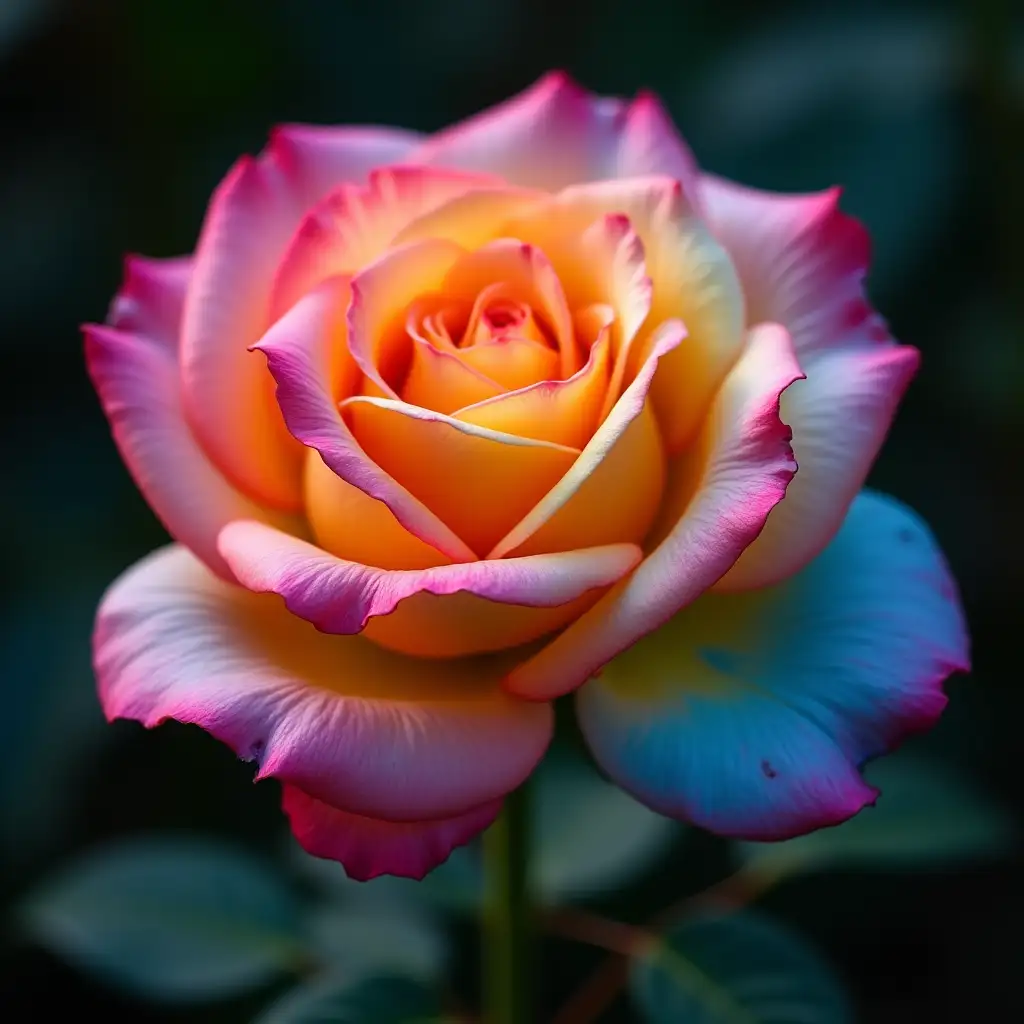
[(750, 714)]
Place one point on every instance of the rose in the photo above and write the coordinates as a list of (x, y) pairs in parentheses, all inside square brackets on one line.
[(498, 412)]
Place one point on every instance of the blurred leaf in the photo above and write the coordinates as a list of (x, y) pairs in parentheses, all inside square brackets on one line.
[(384, 1000), (590, 834), (925, 817), (739, 969), (174, 919)]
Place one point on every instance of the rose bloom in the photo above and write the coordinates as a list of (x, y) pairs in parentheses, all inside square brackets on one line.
[(447, 427)]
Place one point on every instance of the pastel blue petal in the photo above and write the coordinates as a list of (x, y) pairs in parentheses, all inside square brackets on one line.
[(750, 714)]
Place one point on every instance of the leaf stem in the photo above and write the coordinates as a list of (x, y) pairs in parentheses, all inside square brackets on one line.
[(508, 997)]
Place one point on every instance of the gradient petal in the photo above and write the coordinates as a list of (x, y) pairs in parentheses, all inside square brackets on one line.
[(137, 381), (228, 394), (802, 263), (692, 280), (297, 349), (151, 298), (350, 724), (550, 135), (613, 490), (370, 847), (478, 482), (750, 714), (717, 499), (444, 611), (839, 417), (354, 225)]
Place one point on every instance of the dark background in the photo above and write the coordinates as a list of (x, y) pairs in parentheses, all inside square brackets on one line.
[(118, 120)]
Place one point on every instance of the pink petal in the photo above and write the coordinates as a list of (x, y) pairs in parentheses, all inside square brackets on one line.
[(354, 225), (252, 215), (151, 299), (339, 596), (350, 724), (369, 847), (719, 496), (802, 263), (297, 349), (549, 136), (137, 380)]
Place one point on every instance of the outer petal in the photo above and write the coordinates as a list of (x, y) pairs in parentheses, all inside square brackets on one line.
[(369, 847), (351, 724), (839, 416), (718, 498), (342, 597), (254, 212), (297, 348), (750, 714), (549, 136), (137, 380), (152, 297), (479, 482), (802, 263)]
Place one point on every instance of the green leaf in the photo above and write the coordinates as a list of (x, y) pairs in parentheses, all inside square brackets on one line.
[(383, 1000), (738, 969), (926, 816), (590, 835), (172, 919)]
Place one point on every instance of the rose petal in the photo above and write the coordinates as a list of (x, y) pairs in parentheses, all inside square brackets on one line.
[(444, 611), (479, 482), (354, 225), (228, 394), (549, 136), (151, 299), (297, 349), (563, 412), (802, 263), (369, 847), (137, 381), (692, 280), (612, 491), (750, 714), (718, 498), (353, 725)]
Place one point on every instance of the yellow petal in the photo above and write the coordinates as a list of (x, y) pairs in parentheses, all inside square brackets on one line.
[(479, 482)]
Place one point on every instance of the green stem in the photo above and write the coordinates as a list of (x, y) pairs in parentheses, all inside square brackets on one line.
[(507, 992)]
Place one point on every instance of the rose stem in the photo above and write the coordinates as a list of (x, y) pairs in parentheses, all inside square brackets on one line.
[(507, 915)]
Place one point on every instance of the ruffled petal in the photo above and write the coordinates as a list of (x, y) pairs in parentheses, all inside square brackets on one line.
[(750, 714), (370, 847), (354, 225), (444, 611), (360, 728), (151, 298), (802, 263), (479, 482), (551, 135), (228, 394), (717, 499), (692, 280), (137, 380), (297, 349), (613, 490), (839, 417)]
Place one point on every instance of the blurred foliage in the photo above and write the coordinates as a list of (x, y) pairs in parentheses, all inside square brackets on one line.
[(119, 119)]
